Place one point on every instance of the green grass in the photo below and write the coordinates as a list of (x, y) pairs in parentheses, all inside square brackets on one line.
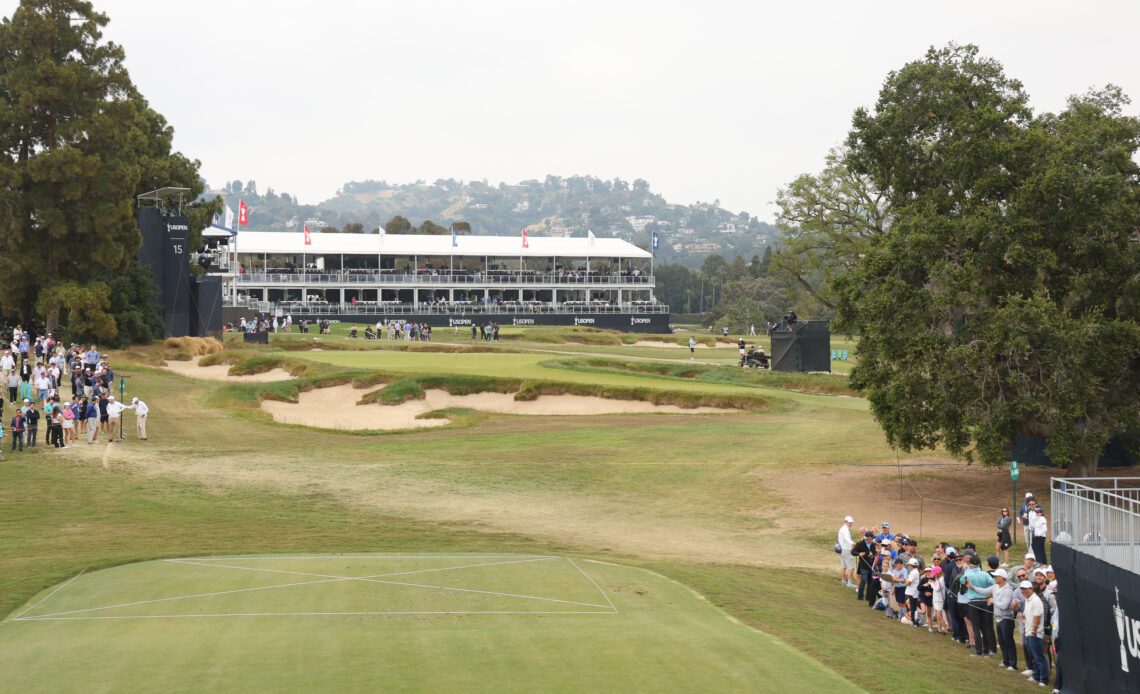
[(633, 631), (686, 496)]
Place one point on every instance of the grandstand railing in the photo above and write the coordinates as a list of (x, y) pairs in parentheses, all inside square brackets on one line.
[(444, 308), (1099, 516), (441, 277)]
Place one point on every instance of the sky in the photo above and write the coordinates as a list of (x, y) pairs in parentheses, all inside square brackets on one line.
[(705, 100)]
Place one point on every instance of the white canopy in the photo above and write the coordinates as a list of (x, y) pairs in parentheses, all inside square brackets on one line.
[(286, 242)]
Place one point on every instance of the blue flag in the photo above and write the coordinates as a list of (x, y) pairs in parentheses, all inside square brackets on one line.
[(454, 238), (656, 241)]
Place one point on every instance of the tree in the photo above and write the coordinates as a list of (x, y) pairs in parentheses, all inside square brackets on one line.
[(461, 227), (430, 227), (77, 143), (1003, 298), (398, 225), (827, 219), (70, 130), (353, 228)]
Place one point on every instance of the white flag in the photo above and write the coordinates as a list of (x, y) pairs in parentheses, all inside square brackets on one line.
[(590, 237), (229, 218)]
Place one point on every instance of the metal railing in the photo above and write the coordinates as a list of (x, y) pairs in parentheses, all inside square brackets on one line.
[(372, 308), (441, 277), (1099, 516)]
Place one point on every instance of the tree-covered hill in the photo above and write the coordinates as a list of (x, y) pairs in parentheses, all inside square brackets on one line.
[(552, 207)]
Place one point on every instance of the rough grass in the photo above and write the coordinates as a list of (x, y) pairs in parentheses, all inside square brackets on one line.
[(172, 349)]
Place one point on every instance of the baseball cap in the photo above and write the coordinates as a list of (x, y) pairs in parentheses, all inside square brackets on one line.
[(913, 562), (1030, 555), (848, 519), (1049, 569), (1028, 495), (975, 560), (1002, 573), (936, 571), (868, 534), (886, 524), (1025, 584), (950, 552)]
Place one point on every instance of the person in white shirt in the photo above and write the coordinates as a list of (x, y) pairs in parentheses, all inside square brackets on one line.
[(912, 578), (141, 411), (7, 363), (846, 561), (1034, 613), (114, 413), (1040, 527)]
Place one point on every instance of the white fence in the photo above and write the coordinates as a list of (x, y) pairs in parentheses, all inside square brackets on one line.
[(1099, 517)]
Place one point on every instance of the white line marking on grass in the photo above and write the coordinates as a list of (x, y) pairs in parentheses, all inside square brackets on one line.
[(59, 588), (386, 556), (375, 579), (595, 584), (48, 618), (185, 597), (362, 578), (483, 592)]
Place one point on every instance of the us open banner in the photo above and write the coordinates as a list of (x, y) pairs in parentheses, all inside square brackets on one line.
[(1099, 608)]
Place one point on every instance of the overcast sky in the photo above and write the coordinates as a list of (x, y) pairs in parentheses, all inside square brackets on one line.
[(703, 99)]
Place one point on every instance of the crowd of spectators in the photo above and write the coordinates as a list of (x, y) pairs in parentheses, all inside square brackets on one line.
[(980, 602), (34, 371)]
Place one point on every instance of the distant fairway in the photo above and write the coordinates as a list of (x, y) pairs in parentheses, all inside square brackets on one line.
[(476, 622)]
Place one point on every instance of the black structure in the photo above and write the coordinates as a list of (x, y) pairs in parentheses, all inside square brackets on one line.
[(164, 251), (628, 322), (1030, 450), (1095, 526), (1094, 647), (205, 305), (804, 346)]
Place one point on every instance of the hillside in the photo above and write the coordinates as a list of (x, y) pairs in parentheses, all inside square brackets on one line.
[(553, 207)]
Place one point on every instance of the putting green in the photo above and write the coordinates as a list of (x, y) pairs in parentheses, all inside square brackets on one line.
[(395, 622)]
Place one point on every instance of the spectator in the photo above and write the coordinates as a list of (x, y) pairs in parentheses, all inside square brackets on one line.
[(1003, 537), (1024, 516), (864, 552), (1003, 597), (843, 548), (979, 586), (1034, 634), (1040, 527)]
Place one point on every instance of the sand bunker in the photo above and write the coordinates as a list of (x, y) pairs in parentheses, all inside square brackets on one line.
[(221, 372), (336, 408)]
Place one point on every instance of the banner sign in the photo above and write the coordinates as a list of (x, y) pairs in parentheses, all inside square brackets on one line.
[(1099, 607)]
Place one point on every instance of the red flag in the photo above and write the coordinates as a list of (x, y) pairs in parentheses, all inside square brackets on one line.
[(308, 239), (526, 244), (243, 213)]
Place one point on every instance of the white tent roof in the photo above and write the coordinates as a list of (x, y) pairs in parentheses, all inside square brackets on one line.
[(288, 242), (216, 232)]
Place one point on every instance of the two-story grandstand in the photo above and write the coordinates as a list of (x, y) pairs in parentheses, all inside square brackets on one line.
[(439, 280)]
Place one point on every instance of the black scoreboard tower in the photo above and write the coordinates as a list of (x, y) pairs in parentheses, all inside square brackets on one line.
[(164, 251)]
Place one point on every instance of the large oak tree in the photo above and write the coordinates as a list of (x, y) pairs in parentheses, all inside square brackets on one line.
[(1004, 297)]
